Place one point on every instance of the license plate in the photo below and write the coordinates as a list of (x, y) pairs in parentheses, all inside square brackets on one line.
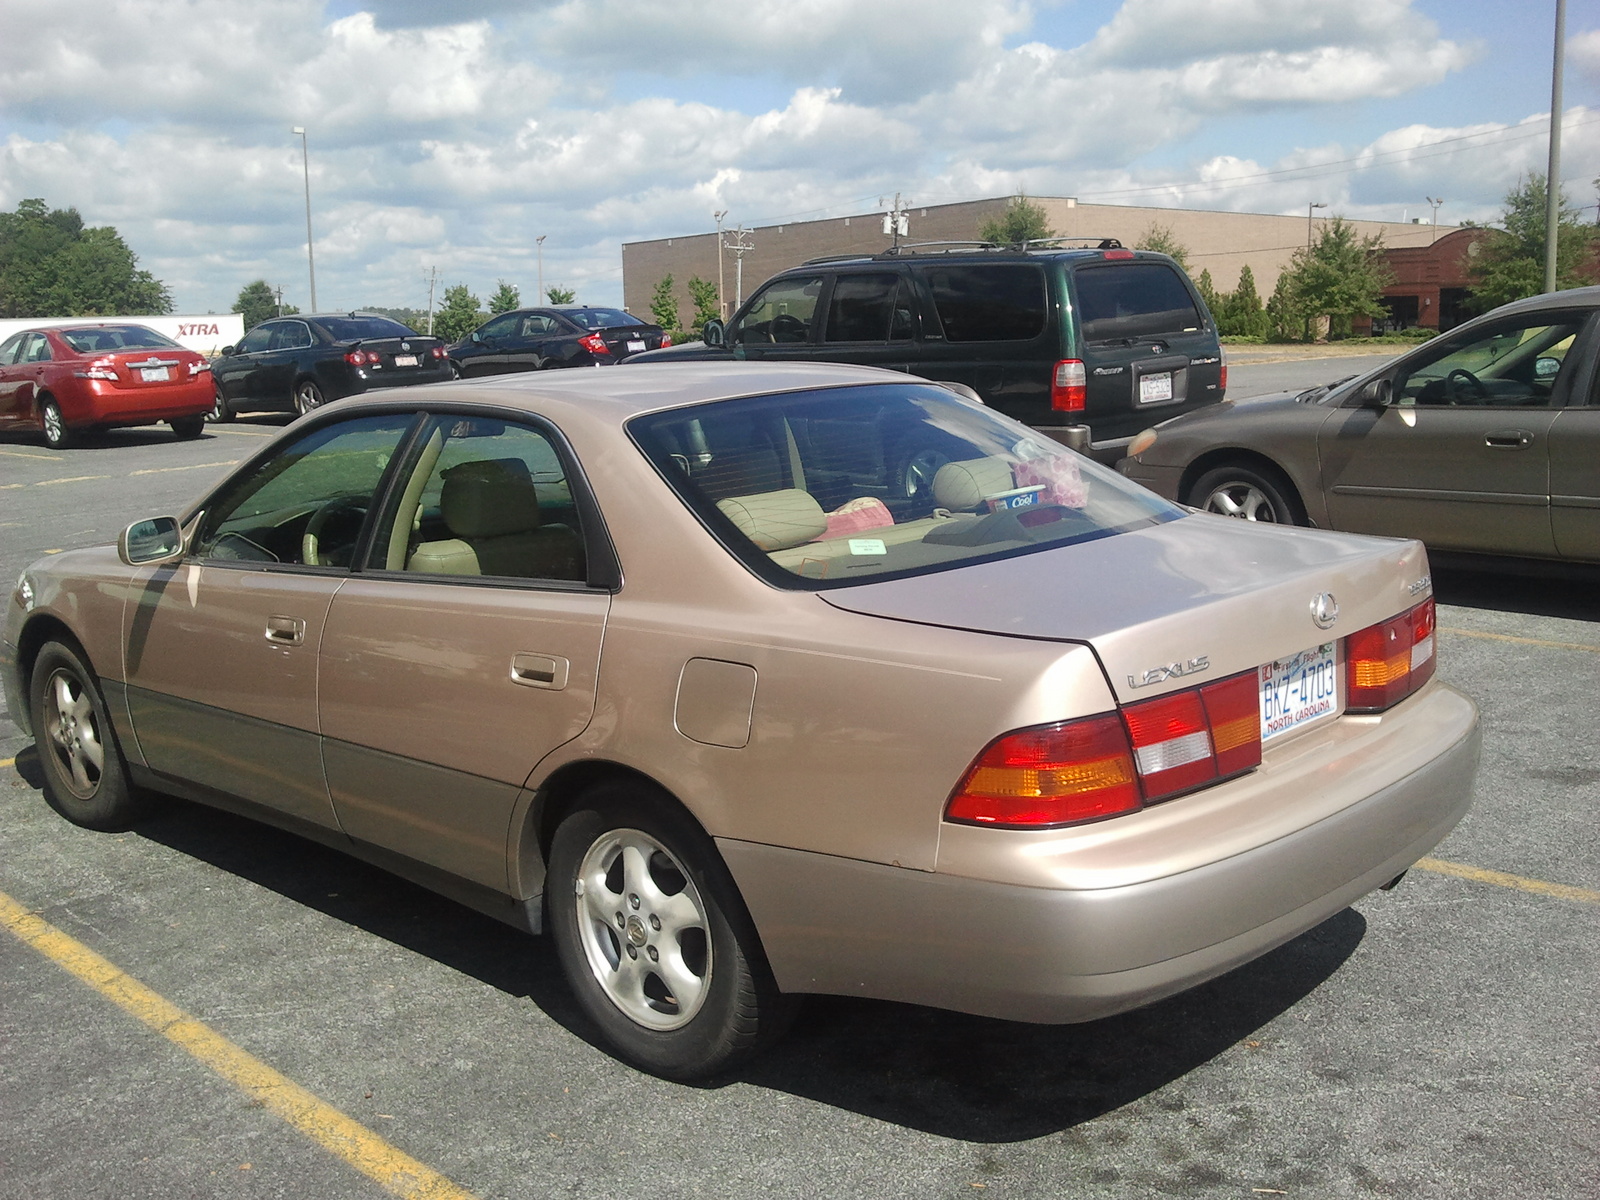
[(405, 360), (635, 346), (1298, 691), (154, 374), (1155, 388)]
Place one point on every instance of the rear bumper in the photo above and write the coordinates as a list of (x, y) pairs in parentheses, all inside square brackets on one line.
[(1064, 954)]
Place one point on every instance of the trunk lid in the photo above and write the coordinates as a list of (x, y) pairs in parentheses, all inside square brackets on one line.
[(1209, 596)]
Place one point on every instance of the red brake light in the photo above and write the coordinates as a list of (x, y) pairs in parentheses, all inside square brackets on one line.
[(1117, 254), (1385, 663), (1222, 376), (594, 344), (666, 339), (100, 368), (359, 358), (1069, 386), (1113, 763), (436, 352)]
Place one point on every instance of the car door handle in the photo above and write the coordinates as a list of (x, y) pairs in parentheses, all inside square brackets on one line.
[(1508, 439), (539, 670), (286, 631)]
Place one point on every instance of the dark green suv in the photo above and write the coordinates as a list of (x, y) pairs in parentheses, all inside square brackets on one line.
[(1106, 337)]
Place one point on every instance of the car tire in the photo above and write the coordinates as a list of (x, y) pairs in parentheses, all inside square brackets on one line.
[(307, 396), (56, 434), (654, 939), (85, 777), (455, 369), (221, 410), (1249, 493), (186, 429)]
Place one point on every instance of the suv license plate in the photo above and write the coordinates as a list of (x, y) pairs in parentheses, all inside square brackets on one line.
[(1155, 388), (405, 360), (1297, 691)]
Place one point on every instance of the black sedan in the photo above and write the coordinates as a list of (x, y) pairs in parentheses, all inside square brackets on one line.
[(531, 339), (301, 362), (1481, 442)]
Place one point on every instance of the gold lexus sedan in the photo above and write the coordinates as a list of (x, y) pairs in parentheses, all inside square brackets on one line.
[(748, 681)]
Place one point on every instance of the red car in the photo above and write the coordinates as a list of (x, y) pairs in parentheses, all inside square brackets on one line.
[(70, 379)]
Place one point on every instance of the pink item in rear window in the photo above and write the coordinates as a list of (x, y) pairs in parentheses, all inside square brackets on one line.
[(866, 512), (1063, 484)]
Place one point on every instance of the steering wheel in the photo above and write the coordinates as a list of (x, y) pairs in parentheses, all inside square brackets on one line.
[(310, 541), (787, 328), (1462, 382)]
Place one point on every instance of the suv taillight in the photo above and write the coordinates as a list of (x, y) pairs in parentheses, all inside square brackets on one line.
[(1069, 386), (1385, 663), (666, 339), (1113, 763), (1222, 375), (594, 344)]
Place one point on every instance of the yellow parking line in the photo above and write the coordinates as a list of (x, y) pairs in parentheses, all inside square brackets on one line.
[(25, 454), (1520, 641), (232, 462), (68, 479), (6, 762), (1501, 879), (327, 1126)]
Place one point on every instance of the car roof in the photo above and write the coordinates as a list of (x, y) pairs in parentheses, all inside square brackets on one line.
[(977, 252)]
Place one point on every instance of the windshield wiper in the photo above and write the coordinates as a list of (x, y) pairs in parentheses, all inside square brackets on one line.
[(1312, 395)]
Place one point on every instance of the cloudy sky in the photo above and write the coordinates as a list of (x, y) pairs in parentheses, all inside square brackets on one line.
[(450, 135)]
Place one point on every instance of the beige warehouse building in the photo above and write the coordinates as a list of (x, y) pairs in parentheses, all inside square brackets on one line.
[(1220, 242)]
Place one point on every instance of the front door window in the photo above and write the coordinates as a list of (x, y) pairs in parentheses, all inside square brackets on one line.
[(781, 314)]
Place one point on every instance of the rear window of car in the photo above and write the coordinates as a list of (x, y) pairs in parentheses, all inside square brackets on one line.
[(600, 318), (998, 302), (829, 488), (349, 329), (1132, 299), (111, 338)]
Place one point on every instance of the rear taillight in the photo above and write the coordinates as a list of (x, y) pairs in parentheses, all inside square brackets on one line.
[(594, 344), (436, 352), (1222, 375), (199, 366), (1069, 386), (666, 339), (359, 358), (1114, 763), (1386, 663), (100, 368), (1117, 254)]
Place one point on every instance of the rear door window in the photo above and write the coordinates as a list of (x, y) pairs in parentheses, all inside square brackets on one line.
[(998, 302), (870, 308), (1133, 299)]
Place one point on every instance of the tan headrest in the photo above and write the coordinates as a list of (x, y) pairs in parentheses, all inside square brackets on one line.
[(489, 498), (962, 485), (777, 520)]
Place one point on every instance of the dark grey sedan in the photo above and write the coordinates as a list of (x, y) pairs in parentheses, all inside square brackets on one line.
[(1484, 440)]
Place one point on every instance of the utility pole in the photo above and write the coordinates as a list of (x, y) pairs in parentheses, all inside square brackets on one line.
[(722, 305), (278, 292), (896, 221), (1436, 204), (1309, 207), (433, 278), (739, 242), (538, 245), (1552, 177)]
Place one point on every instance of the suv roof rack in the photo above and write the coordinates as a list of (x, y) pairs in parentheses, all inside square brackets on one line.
[(947, 247), (1099, 243), (830, 258)]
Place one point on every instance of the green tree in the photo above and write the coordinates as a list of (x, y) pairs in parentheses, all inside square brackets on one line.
[(1285, 317), (560, 295), (257, 301), (505, 298), (1340, 276), (1208, 293), (1510, 261), (411, 318), (703, 293), (1241, 313), (1021, 222), (1162, 240), (664, 305), (52, 265), (459, 316)]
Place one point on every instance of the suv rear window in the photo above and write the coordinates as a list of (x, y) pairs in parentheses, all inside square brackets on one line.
[(1133, 299), (1002, 302)]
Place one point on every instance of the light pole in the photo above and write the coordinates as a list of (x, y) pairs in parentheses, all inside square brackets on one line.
[(1436, 203), (1309, 208), (305, 166), (538, 243), (1552, 177), (722, 308)]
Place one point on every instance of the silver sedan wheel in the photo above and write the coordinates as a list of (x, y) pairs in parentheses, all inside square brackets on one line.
[(644, 929), (1242, 500), (72, 733)]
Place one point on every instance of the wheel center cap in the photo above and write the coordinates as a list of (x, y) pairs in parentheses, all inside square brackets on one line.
[(636, 932)]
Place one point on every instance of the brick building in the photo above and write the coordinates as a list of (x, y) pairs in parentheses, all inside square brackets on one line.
[(1219, 242), (1430, 282)]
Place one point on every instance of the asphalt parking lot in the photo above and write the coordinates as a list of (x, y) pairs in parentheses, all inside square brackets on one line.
[(349, 1035)]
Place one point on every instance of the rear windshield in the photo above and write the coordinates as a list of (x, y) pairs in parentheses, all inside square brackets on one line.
[(600, 318), (110, 338), (999, 302), (1133, 299), (355, 329), (828, 488)]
